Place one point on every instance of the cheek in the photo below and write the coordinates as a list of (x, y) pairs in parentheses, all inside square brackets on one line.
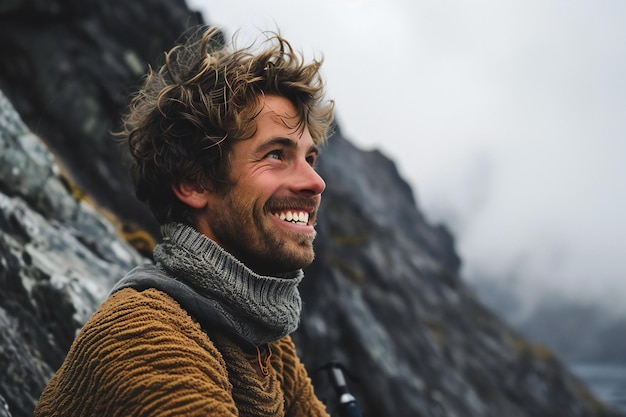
[(263, 186)]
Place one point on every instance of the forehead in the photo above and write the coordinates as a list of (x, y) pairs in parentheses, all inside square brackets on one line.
[(278, 109), (276, 123), (276, 115)]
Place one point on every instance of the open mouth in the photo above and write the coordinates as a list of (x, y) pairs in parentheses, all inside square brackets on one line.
[(293, 216)]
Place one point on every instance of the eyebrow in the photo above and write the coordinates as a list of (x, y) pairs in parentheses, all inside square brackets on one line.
[(286, 143)]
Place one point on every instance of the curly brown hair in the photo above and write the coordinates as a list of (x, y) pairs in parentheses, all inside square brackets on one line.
[(183, 121)]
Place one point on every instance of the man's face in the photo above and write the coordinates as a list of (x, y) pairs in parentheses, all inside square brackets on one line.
[(266, 218)]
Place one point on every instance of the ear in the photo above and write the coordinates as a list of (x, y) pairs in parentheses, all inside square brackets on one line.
[(191, 193)]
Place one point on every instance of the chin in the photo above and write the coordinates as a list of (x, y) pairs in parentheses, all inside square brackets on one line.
[(290, 263)]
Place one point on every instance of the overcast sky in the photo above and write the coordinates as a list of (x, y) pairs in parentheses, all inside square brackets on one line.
[(508, 118)]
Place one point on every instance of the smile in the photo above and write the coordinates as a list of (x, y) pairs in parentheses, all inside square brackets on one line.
[(296, 217)]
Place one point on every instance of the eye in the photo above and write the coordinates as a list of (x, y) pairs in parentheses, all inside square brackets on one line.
[(312, 159), (275, 154)]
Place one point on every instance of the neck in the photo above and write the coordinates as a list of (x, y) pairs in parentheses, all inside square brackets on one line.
[(265, 308)]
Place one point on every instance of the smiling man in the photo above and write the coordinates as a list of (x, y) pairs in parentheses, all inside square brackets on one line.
[(223, 145), (266, 217)]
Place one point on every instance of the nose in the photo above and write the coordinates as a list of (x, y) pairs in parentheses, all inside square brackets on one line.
[(307, 181)]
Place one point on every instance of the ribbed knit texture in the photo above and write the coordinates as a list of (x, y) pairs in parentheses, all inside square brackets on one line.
[(140, 354), (263, 308)]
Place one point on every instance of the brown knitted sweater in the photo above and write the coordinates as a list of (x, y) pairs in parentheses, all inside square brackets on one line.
[(141, 354)]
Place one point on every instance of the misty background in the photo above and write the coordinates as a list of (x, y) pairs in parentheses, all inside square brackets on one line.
[(507, 119)]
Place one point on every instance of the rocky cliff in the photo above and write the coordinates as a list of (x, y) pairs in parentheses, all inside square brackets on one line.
[(383, 297)]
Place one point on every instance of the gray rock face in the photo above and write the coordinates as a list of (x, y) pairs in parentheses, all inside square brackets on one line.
[(4, 408), (58, 259), (383, 296), (69, 66)]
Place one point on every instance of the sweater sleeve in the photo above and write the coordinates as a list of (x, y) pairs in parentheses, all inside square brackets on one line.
[(300, 398), (140, 354)]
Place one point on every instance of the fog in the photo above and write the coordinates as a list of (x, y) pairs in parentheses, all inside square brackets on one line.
[(507, 118)]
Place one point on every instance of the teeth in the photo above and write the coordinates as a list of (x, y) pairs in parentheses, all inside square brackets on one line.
[(294, 217)]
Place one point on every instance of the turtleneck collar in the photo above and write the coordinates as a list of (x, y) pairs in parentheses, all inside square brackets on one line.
[(262, 308)]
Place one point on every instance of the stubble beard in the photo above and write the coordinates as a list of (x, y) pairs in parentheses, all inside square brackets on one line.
[(252, 240)]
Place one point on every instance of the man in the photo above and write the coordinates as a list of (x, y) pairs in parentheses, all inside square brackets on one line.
[(223, 147)]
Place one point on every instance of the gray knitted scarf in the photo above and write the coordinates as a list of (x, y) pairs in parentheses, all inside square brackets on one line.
[(263, 308)]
